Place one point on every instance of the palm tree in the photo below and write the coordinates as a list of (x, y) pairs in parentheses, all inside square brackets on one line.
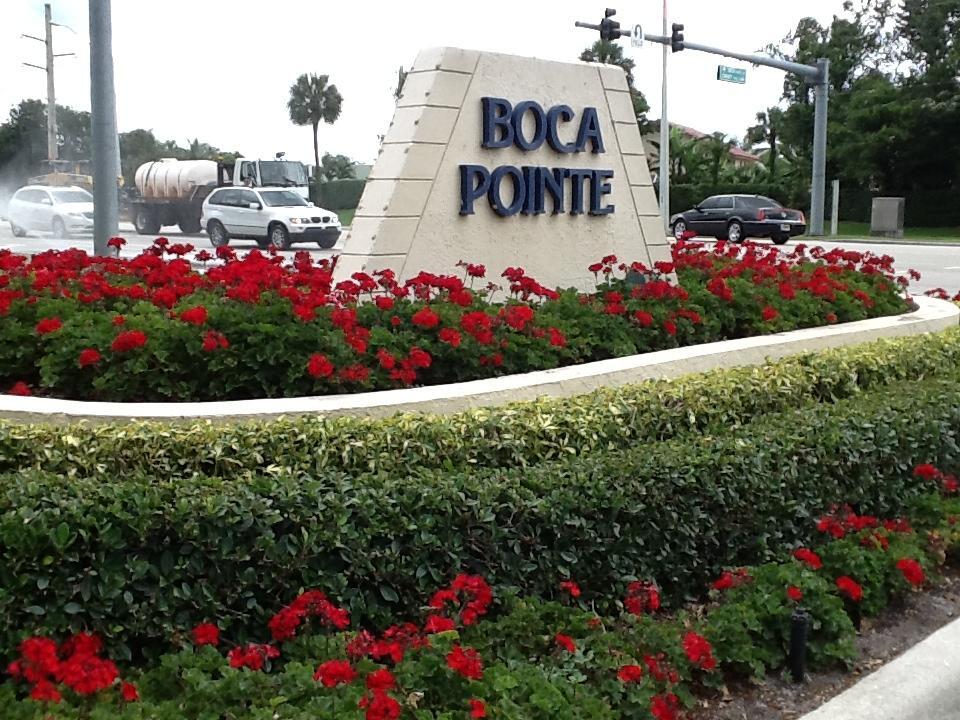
[(766, 131), (717, 148), (312, 101)]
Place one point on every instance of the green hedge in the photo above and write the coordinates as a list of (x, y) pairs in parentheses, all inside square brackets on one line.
[(137, 557), (922, 208), (518, 435), (338, 194), (684, 196)]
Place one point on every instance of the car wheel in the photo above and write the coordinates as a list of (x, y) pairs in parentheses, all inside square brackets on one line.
[(735, 232), (218, 233), (189, 226), (279, 237), (145, 222), (679, 228), (17, 230), (59, 229), (780, 239)]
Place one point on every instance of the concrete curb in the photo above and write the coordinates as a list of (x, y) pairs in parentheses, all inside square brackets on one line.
[(880, 241), (921, 684), (931, 316)]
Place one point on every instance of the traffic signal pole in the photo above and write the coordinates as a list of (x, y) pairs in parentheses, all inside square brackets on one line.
[(103, 116), (664, 173), (818, 75)]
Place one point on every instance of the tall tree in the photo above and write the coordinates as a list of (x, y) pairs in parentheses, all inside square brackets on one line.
[(717, 149), (336, 167), (313, 99), (766, 131), (611, 53)]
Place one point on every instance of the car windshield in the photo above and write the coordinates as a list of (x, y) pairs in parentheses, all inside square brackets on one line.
[(71, 196), (282, 198), (282, 172)]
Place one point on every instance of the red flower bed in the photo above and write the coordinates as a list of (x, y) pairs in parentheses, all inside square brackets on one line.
[(522, 654), (154, 328)]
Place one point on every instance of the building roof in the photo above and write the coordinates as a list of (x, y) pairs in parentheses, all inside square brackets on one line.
[(735, 152)]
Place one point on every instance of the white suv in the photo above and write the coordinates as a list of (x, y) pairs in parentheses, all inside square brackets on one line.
[(270, 215), (60, 210)]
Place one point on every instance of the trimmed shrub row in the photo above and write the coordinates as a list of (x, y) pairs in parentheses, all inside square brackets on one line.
[(517, 435), (338, 194), (135, 557)]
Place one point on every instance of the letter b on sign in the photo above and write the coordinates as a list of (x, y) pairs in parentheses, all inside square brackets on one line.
[(497, 128)]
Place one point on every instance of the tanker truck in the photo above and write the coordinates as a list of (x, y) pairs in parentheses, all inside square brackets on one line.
[(171, 192)]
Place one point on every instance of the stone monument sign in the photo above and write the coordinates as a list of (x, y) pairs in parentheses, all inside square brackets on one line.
[(508, 161)]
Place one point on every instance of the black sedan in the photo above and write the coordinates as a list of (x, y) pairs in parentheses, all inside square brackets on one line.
[(737, 217)]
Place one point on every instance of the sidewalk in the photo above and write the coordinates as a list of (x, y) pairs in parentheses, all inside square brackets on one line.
[(921, 684)]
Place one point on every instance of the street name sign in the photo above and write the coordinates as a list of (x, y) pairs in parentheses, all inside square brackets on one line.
[(731, 74)]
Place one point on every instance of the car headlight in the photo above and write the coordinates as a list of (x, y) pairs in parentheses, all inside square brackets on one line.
[(76, 214), (299, 221)]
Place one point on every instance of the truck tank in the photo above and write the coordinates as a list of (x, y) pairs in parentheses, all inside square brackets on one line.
[(174, 179)]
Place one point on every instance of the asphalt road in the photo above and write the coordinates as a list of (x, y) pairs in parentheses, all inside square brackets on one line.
[(939, 265)]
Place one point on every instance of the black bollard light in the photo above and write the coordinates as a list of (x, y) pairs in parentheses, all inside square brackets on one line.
[(853, 610), (799, 629)]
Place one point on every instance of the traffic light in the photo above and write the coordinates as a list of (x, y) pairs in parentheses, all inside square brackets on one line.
[(676, 40), (609, 29)]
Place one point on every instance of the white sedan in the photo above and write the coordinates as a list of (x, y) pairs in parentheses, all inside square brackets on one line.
[(271, 216), (59, 210)]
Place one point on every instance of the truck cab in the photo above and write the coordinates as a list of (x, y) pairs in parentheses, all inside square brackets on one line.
[(272, 173)]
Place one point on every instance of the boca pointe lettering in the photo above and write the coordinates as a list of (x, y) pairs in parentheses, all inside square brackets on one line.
[(568, 188)]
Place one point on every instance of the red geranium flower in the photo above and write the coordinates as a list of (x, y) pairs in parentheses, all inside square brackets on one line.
[(89, 356), (251, 656), (20, 388), (206, 634), (128, 340), (335, 672), (129, 692), (630, 674), (425, 318), (384, 302), (438, 624), (912, 571), (48, 325), (195, 316), (926, 472), (466, 662), (319, 366), (566, 642), (794, 593), (381, 679), (809, 558), (699, 651), (45, 691), (571, 587), (850, 588), (450, 336), (478, 709), (769, 313), (664, 707)]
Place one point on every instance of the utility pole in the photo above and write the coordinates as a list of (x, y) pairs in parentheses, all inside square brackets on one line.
[(664, 171), (818, 76), (47, 40), (106, 152)]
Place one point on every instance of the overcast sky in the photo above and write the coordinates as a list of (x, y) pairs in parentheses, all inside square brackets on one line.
[(220, 70)]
